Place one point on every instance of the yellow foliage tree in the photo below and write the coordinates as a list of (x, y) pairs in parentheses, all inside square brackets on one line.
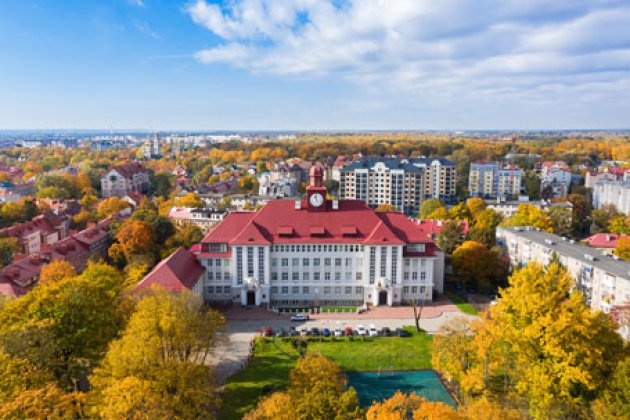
[(404, 406), (384, 208), (623, 248), (110, 206), (56, 271)]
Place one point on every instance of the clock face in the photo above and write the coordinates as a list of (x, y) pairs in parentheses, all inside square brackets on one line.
[(316, 200)]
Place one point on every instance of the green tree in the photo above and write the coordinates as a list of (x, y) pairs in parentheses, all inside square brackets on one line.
[(602, 218), (161, 184), (451, 236), (614, 402), (619, 224), (531, 181), (158, 368), (460, 212), (429, 206), (561, 220), (8, 248)]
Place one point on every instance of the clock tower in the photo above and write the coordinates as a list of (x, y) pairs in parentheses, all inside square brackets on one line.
[(316, 191)]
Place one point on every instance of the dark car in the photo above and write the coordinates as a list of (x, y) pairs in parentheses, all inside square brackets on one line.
[(315, 332), (267, 332), (401, 333), (385, 331), (293, 332), (326, 332), (281, 332), (348, 331)]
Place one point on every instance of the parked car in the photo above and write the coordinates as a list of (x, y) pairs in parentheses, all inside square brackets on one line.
[(293, 332), (361, 330), (401, 333), (372, 331), (315, 331), (299, 317), (338, 332), (267, 332), (348, 331), (281, 332), (386, 332), (326, 332)]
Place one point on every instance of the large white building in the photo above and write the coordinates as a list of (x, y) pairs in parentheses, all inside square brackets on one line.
[(124, 179), (403, 183), (603, 279), (309, 253)]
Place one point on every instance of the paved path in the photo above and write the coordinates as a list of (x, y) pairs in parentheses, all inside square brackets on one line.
[(232, 355)]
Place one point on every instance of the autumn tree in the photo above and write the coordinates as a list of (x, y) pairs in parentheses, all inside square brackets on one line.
[(623, 248), (405, 406), (561, 220), (189, 200), (134, 238), (158, 367), (475, 205), (8, 248), (450, 236), (460, 212), (384, 208), (477, 264), (316, 390), (430, 206), (110, 206), (614, 403), (602, 218), (620, 224), (56, 271), (529, 215)]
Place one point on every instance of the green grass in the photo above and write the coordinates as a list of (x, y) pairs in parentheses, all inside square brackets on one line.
[(461, 303), (273, 360), (339, 309)]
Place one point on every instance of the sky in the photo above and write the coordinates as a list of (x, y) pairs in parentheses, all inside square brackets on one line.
[(315, 64)]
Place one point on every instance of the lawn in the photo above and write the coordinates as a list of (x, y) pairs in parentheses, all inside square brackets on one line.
[(273, 360), (461, 303)]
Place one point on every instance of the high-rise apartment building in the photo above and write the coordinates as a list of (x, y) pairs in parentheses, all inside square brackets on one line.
[(489, 180), (403, 183)]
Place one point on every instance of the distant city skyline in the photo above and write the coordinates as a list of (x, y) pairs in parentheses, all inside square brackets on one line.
[(314, 65)]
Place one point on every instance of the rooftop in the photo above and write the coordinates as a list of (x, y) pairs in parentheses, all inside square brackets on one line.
[(408, 164), (577, 251)]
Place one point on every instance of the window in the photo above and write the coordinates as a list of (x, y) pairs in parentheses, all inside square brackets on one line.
[(407, 262), (285, 276), (405, 289), (337, 290), (414, 275), (383, 261), (226, 276), (316, 276), (211, 290), (274, 289), (305, 262), (210, 275), (261, 265), (337, 262), (295, 290), (414, 289), (327, 262), (295, 276), (285, 262), (348, 262), (285, 290), (305, 290), (327, 290), (348, 276), (348, 290), (316, 262), (406, 275), (372, 264), (295, 262), (337, 276), (359, 275), (423, 276), (305, 276), (358, 289), (274, 276), (394, 265), (226, 290), (327, 276), (239, 265), (210, 262), (250, 261)]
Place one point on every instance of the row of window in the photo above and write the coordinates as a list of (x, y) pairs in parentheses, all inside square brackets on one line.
[(219, 290), (414, 289), (218, 276), (306, 262), (317, 248), (305, 290), (306, 276)]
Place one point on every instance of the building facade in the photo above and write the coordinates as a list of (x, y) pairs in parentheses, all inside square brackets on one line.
[(603, 279), (204, 218), (124, 179), (403, 183), (316, 252), (489, 180), (616, 193)]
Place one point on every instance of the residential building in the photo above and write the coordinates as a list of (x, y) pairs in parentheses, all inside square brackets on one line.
[(124, 179), (281, 187), (10, 191), (507, 208), (489, 180), (606, 174), (45, 229), (401, 182), (309, 253), (606, 242), (557, 177), (603, 279), (616, 193), (204, 218)]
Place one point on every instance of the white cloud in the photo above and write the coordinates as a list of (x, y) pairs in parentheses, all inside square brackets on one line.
[(138, 3), (451, 48)]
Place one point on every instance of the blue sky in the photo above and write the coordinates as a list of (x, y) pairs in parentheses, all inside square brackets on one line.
[(314, 64)]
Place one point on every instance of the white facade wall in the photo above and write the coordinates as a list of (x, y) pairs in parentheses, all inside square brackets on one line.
[(616, 193)]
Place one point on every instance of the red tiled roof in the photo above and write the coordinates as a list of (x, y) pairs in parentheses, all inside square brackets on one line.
[(128, 169), (604, 240), (269, 224), (179, 271), (432, 227)]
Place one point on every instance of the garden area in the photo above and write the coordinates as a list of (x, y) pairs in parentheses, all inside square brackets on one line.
[(274, 358), (461, 303)]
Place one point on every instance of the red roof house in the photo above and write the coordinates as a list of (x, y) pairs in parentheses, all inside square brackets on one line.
[(179, 271)]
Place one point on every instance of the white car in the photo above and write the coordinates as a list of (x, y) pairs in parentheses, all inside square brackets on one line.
[(338, 332), (299, 317), (373, 332), (361, 330)]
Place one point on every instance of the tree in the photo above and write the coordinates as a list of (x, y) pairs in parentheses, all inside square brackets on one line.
[(451, 236), (248, 183), (528, 215), (110, 206), (429, 206), (65, 327), (460, 212), (476, 205), (331, 185), (620, 224), (135, 238), (602, 217), (384, 208), (56, 271), (623, 248), (531, 181), (561, 220), (81, 220), (477, 264), (580, 213), (405, 406), (615, 400), (158, 367), (8, 248), (161, 184), (316, 390), (438, 214), (189, 200)]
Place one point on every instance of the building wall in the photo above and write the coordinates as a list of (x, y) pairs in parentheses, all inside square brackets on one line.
[(616, 193)]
